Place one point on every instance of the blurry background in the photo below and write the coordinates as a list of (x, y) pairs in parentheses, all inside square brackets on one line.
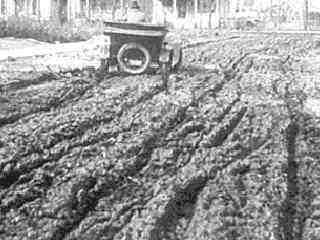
[(238, 14)]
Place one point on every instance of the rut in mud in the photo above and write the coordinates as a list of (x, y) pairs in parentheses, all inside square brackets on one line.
[(119, 158)]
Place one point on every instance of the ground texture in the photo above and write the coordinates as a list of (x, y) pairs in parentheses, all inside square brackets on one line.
[(216, 157)]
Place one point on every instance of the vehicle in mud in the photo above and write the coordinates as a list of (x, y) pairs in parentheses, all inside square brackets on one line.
[(135, 47)]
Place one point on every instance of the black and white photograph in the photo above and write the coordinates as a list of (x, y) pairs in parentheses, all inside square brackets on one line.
[(159, 119)]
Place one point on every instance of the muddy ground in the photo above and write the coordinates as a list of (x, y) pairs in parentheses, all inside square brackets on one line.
[(85, 157)]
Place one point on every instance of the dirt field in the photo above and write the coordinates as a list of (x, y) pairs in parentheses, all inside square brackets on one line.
[(117, 158)]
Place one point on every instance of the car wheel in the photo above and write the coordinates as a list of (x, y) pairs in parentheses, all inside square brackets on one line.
[(133, 58)]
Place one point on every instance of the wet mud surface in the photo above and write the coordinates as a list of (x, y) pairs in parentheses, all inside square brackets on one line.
[(118, 158)]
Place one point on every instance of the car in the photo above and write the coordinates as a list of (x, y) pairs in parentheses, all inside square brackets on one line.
[(135, 47)]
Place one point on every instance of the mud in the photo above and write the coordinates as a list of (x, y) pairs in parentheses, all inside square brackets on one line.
[(83, 157)]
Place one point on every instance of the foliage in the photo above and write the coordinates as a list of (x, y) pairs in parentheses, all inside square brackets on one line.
[(48, 31)]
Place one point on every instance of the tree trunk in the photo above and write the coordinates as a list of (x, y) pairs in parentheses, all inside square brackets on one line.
[(57, 11), (38, 9), (212, 10), (88, 9), (16, 8), (114, 8), (306, 14), (122, 7), (175, 9), (196, 7)]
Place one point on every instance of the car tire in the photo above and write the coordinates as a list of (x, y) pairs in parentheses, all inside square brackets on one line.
[(130, 46)]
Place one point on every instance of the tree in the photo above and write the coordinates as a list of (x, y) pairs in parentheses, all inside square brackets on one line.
[(114, 9), (175, 9), (196, 7), (306, 14), (213, 5)]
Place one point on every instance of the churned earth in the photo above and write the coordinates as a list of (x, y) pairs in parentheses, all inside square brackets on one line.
[(118, 157)]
